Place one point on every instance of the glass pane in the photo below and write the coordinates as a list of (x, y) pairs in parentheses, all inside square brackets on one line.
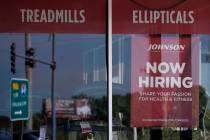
[(77, 33), (158, 105), (80, 83), (161, 79)]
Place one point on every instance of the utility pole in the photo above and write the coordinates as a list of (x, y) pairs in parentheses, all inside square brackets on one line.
[(53, 99), (28, 71)]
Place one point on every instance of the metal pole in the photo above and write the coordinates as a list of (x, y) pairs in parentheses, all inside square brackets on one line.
[(28, 71), (109, 43), (22, 125), (12, 129), (52, 90), (135, 133)]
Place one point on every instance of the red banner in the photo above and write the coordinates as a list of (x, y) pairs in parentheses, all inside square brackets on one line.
[(164, 81), (89, 16), (74, 16), (161, 16)]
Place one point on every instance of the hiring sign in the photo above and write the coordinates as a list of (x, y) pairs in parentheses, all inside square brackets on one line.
[(164, 81)]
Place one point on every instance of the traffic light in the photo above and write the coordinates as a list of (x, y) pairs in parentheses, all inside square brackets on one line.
[(30, 57), (12, 58)]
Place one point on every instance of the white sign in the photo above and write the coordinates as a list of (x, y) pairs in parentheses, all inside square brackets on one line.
[(85, 126)]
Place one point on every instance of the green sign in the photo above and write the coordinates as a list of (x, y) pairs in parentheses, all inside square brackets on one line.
[(19, 109)]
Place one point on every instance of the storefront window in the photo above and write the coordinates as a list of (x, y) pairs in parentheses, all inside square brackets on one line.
[(165, 88), (122, 99), (55, 68), (77, 100), (58, 49)]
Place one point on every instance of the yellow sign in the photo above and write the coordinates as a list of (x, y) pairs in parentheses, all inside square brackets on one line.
[(15, 86)]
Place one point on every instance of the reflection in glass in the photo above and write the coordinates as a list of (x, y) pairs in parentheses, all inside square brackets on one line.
[(80, 85), (122, 91)]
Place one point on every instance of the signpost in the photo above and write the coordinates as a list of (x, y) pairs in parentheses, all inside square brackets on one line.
[(19, 99)]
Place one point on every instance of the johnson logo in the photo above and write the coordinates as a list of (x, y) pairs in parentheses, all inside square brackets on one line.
[(166, 47)]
